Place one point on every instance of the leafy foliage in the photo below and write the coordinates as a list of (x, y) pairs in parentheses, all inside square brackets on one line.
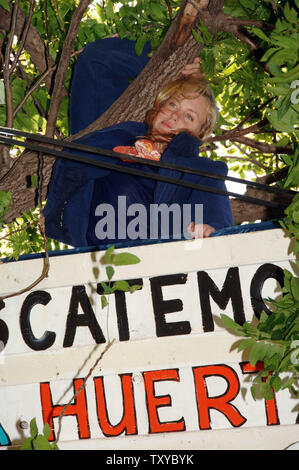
[(119, 259), (23, 236), (39, 441), (242, 83), (274, 340)]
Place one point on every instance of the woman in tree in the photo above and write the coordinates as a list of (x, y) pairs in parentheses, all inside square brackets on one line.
[(88, 205)]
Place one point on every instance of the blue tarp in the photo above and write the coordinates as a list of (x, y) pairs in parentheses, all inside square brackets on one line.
[(236, 229)]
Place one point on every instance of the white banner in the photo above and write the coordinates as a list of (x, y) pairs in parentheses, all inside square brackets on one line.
[(171, 369)]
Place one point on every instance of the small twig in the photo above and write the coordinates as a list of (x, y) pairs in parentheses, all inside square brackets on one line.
[(254, 112), (60, 21), (250, 158), (237, 132), (40, 80), (46, 264), (63, 65), (36, 101), (169, 10), (108, 346), (31, 286), (274, 5), (47, 34), (24, 36), (19, 230)]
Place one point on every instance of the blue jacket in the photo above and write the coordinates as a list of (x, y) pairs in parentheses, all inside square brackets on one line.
[(102, 73)]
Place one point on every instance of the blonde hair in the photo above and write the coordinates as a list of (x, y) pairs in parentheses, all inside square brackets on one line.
[(188, 88)]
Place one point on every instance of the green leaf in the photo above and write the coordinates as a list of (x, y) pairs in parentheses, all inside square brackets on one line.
[(288, 383), (295, 288), (5, 4), (286, 124), (34, 181), (257, 353), (123, 259), (197, 36), (248, 329), (135, 287), (281, 39), (41, 443), (285, 106), (206, 35), (289, 13), (107, 288), (104, 301), (245, 344), (285, 77), (276, 383), (33, 428), (253, 391), (232, 325), (121, 285), (108, 254), (156, 11), (140, 43), (110, 272), (27, 444), (54, 446), (248, 4), (109, 10), (260, 33), (268, 54), (266, 390), (47, 430), (263, 318), (5, 200)]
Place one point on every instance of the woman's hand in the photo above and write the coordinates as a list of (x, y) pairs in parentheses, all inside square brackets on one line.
[(200, 230), (194, 69)]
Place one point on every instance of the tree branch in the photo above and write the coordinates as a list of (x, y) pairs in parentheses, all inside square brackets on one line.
[(63, 65), (254, 112), (6, 69), (264, 147), (33, 44), (24, 36)]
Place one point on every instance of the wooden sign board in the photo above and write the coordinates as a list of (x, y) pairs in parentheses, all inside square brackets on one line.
[(168, 376)]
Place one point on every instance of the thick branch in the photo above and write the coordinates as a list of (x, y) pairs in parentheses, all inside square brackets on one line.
[(230, 24), (263, 147)]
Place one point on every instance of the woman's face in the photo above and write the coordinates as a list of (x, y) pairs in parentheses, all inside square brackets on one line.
[(180, 114)]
